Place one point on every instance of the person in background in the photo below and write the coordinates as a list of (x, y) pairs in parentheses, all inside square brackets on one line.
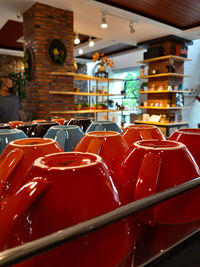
[(10, 106)]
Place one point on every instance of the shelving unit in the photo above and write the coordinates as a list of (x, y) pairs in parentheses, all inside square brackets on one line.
[(164, 96), (82, 111), (83, 77), (177, 58), (163, 124), (164, 75), (80, 93), (164, 91), (165, 127), (149, 107)]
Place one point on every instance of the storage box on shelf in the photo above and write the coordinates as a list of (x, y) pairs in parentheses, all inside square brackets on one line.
[(96, 108), (165, 94)]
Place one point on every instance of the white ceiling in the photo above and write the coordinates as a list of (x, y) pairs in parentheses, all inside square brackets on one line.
[(87, 17)]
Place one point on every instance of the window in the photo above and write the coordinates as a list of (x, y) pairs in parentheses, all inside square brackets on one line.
[(131, 86)]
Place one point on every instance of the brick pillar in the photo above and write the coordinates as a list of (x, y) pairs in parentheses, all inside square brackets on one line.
[(43, 23)]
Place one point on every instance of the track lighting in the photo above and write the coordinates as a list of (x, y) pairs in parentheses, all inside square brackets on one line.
[(104, 24), (80, 51), (76, 40), (131, 27), (91, 42)]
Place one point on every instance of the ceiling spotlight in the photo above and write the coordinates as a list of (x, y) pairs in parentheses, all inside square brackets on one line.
[(76, 40), (91, 42), (80, 51), (104, 24), (131, 27)]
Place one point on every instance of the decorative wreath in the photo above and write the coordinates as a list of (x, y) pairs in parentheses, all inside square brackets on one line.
[(57, 51), (28, 64)]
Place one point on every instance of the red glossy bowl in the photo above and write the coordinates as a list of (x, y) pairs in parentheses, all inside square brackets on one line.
[(17, 159), (152, 166), (135, 133), (15, 124), (74, 187), (191, 138), (61, 121), (109, 145)]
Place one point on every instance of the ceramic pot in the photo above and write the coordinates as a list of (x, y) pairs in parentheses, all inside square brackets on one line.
[(15, 124), (39, 120), (103, 126), (101, 67), (109, 145), (71, 196), (5, 126), (152, 166), (135, 133), (17, 159), (191, 138), (83, 123), (25, 127), (8, 135), (39, 129), (61, 121), (67, 136)]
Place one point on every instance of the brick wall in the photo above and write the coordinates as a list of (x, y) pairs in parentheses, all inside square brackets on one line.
[(43, 23)]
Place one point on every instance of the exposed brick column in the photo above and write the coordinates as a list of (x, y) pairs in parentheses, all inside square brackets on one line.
[(43, 23)]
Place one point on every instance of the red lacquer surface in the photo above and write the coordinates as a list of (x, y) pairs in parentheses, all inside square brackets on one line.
[(153, 166), (79, 188), (135, 133), (17, 159), (191, 138), (109, 145)]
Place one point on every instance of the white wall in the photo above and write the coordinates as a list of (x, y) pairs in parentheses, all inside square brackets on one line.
[(192, 68), (128, 60)]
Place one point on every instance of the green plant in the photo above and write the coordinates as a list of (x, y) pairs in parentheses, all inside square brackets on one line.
[(103, 105), (85, 105), (78, 106), (19, 81), (28, 64)]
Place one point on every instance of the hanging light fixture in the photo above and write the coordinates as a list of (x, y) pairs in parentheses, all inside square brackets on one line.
[(91, 42), (80, 51), (104, 24), (76, 39), (131, 27)]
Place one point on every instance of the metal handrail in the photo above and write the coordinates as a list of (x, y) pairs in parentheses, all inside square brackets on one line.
[(41, 245)]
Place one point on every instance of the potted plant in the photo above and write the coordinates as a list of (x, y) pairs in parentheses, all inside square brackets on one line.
[(78, 106), (85, 106), (104, 62), (19, 83), (103, 106), (93, 106), (98, 106)]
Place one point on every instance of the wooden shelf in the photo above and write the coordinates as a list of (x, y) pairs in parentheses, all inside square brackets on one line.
[(80, 93), (149, 107), (164, 75), (163, 91), (163, 124), (83, 111), (84, 77), (176, 58)]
